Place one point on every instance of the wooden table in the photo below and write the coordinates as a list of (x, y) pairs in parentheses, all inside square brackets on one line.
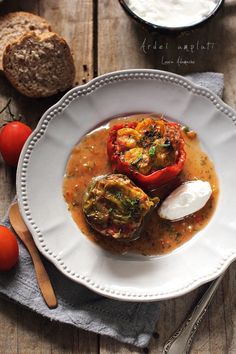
[(104, 39)]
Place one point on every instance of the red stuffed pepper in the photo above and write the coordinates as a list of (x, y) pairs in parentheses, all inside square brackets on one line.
[(150, 151)]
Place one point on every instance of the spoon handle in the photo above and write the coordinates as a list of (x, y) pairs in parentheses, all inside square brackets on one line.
[(44, 282), (181, 340)]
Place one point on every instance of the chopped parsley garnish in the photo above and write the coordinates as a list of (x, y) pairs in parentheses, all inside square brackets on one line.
[(167, 144), (132, 206), (118, 194), (152, 151), (186, 129), (135, 162), (151, 132), (133, 202)]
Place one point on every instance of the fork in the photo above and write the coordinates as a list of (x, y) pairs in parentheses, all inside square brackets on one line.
[(180, 342)]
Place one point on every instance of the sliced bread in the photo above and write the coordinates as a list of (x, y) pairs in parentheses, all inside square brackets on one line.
[(39, 65), (15, 24)]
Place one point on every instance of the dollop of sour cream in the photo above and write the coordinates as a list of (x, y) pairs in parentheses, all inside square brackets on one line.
[(172, 13), (188, 198)]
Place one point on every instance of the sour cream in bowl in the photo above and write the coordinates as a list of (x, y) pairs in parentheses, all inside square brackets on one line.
[(172, 14)]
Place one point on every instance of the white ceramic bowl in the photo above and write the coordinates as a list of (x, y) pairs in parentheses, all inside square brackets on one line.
[(170, 28), (42, 165)]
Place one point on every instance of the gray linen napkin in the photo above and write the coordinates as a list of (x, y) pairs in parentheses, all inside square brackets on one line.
[(128, 322)]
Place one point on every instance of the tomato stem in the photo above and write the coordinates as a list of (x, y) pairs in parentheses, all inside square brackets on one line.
[(9, 110), (8, 102), (13, 117)]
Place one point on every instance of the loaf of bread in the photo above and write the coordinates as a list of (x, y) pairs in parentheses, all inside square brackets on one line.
[(16, 24), (39, 65)]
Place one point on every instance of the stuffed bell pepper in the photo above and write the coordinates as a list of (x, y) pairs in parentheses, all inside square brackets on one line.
[(150, 151), (115, 207)]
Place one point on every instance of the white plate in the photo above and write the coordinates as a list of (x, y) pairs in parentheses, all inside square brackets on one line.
[(42, 165)]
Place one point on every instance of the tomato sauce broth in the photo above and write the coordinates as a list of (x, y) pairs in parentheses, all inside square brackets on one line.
[(89, 159)]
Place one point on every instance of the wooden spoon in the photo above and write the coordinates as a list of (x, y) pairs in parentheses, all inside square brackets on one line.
[(22, 231)]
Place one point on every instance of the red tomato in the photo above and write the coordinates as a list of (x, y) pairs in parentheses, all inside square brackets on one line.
[(9, 251), (12, 138)]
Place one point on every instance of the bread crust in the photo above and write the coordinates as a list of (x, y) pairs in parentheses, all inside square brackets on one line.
[(58, 78), (15, 24)]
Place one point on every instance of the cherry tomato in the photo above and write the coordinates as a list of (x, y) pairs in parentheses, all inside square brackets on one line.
[(12, 138), (9, 251)]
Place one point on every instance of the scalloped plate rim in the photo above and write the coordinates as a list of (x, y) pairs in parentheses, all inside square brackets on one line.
[(139, 296)]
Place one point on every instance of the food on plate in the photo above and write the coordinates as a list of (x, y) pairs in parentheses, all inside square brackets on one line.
[(89, 159), (151, 152), (39, 65), (9, 251), (13, 136), (15, 24), (188, 198), (116, 207)]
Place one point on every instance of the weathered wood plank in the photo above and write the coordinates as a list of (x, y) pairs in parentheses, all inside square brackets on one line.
[(229, 320), (74, 21), (8, 327), (18, 5), (8, 311), (88, 343), (119, 39), (109, 345)]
